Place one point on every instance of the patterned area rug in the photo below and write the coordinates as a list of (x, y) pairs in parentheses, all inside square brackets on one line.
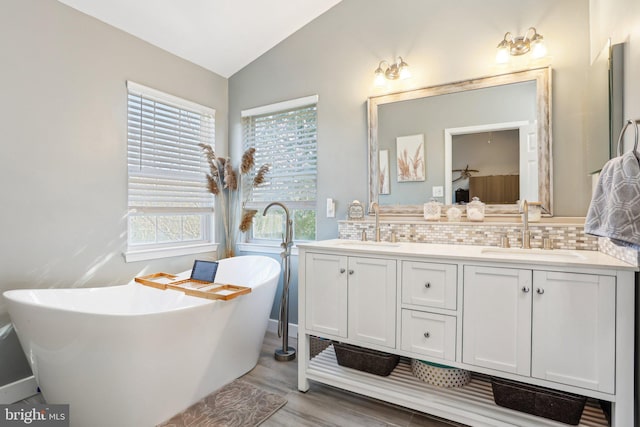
[(236, 404)]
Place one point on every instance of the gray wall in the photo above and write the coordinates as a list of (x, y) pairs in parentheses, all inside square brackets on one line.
[(14, 365), (335, 55), (63, 165), (620, 21)]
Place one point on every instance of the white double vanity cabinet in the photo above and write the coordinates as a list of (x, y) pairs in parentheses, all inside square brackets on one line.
[(558, 319)]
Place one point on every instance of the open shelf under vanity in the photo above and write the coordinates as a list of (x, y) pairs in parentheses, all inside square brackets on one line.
[(403, 389)]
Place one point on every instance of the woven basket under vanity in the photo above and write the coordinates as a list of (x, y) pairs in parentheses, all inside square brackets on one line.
[(317, 345), (440, 375), (365, 359)]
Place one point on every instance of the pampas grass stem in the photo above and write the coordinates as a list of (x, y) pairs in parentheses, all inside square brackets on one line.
[(222, 182)]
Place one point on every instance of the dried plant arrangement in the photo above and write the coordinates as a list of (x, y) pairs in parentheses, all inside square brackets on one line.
[(224, 183)]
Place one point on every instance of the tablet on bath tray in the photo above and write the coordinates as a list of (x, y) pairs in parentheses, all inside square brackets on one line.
[(204, 271)]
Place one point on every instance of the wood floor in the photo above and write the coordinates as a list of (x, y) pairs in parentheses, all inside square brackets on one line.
[(323, 405)]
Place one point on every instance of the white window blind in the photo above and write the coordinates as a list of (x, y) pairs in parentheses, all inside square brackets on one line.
[(166, 165), (168, 199), (287, 139)]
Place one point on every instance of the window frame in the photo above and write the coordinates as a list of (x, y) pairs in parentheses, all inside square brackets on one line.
[(179, 173), (260, 243)]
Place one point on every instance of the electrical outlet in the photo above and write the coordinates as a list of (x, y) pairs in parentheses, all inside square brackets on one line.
[(331, 208), (437, 191)]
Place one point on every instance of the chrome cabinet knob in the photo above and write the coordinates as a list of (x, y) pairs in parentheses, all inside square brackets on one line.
[(351, 271), (427, 285), (525, 289), (427, 334), (540, 291), (342, 270)]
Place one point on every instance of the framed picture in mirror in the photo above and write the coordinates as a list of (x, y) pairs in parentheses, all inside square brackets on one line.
[(410, 154)]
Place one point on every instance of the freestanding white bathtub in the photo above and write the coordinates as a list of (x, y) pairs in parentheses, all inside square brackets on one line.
[(134, 356)]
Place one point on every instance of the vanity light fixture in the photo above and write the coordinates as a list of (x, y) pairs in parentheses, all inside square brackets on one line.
[(516, 46), (395, 71)]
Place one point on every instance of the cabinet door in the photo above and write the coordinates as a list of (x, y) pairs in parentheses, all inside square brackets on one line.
[(429, 284), (496, 330), (326, 293), (372, 301), (574, 329)]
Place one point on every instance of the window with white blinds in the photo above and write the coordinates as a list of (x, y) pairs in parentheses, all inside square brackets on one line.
[(169, 203), (285, 136)]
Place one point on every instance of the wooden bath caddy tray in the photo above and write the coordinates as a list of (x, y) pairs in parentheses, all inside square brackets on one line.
[(193, 287)]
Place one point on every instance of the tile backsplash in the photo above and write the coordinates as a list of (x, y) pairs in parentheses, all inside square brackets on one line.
[(562, 235), (625, 254)]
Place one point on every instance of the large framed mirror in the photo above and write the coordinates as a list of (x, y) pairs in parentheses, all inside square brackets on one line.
[(438, 142)]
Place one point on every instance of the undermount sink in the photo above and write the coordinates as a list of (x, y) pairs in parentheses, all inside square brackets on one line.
[(524, 254), (368, 243)]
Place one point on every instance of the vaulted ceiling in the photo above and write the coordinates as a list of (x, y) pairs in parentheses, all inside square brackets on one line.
[(220, 35)]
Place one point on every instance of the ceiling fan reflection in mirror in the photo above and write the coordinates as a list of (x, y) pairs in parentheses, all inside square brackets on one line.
[(464, 173)]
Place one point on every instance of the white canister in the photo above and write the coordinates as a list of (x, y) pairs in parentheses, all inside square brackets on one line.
[(475, 210), (432, 210), (454, 214), (535, 213)]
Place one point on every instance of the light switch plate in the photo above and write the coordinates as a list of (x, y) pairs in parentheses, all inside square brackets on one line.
[(437, 191), (331, 208)]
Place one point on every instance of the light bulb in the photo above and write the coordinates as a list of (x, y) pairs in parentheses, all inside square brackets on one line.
[(502, 56), (538, 49), (379, 79), (504, 49), (404, 72)]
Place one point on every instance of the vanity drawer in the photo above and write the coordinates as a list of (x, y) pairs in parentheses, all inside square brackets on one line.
[(429, 334), (429, 285)]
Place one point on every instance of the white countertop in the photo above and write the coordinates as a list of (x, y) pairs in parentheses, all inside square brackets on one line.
[(559, 257)]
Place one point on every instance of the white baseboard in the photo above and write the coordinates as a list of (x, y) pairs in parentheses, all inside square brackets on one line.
[(273, 327), (18, 390)]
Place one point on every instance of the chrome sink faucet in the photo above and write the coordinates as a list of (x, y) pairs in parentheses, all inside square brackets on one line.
[(376, 211), (526, 233)]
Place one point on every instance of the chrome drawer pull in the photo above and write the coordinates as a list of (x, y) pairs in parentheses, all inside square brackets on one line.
[(427, 285), (540, 291), (351, 271), (525, 289), (342, 270), (427, 334)]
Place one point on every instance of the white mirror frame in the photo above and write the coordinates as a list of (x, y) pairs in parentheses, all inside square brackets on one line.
[(542, 76)]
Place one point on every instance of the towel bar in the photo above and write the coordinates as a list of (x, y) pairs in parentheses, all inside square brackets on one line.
[(635, 145)]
